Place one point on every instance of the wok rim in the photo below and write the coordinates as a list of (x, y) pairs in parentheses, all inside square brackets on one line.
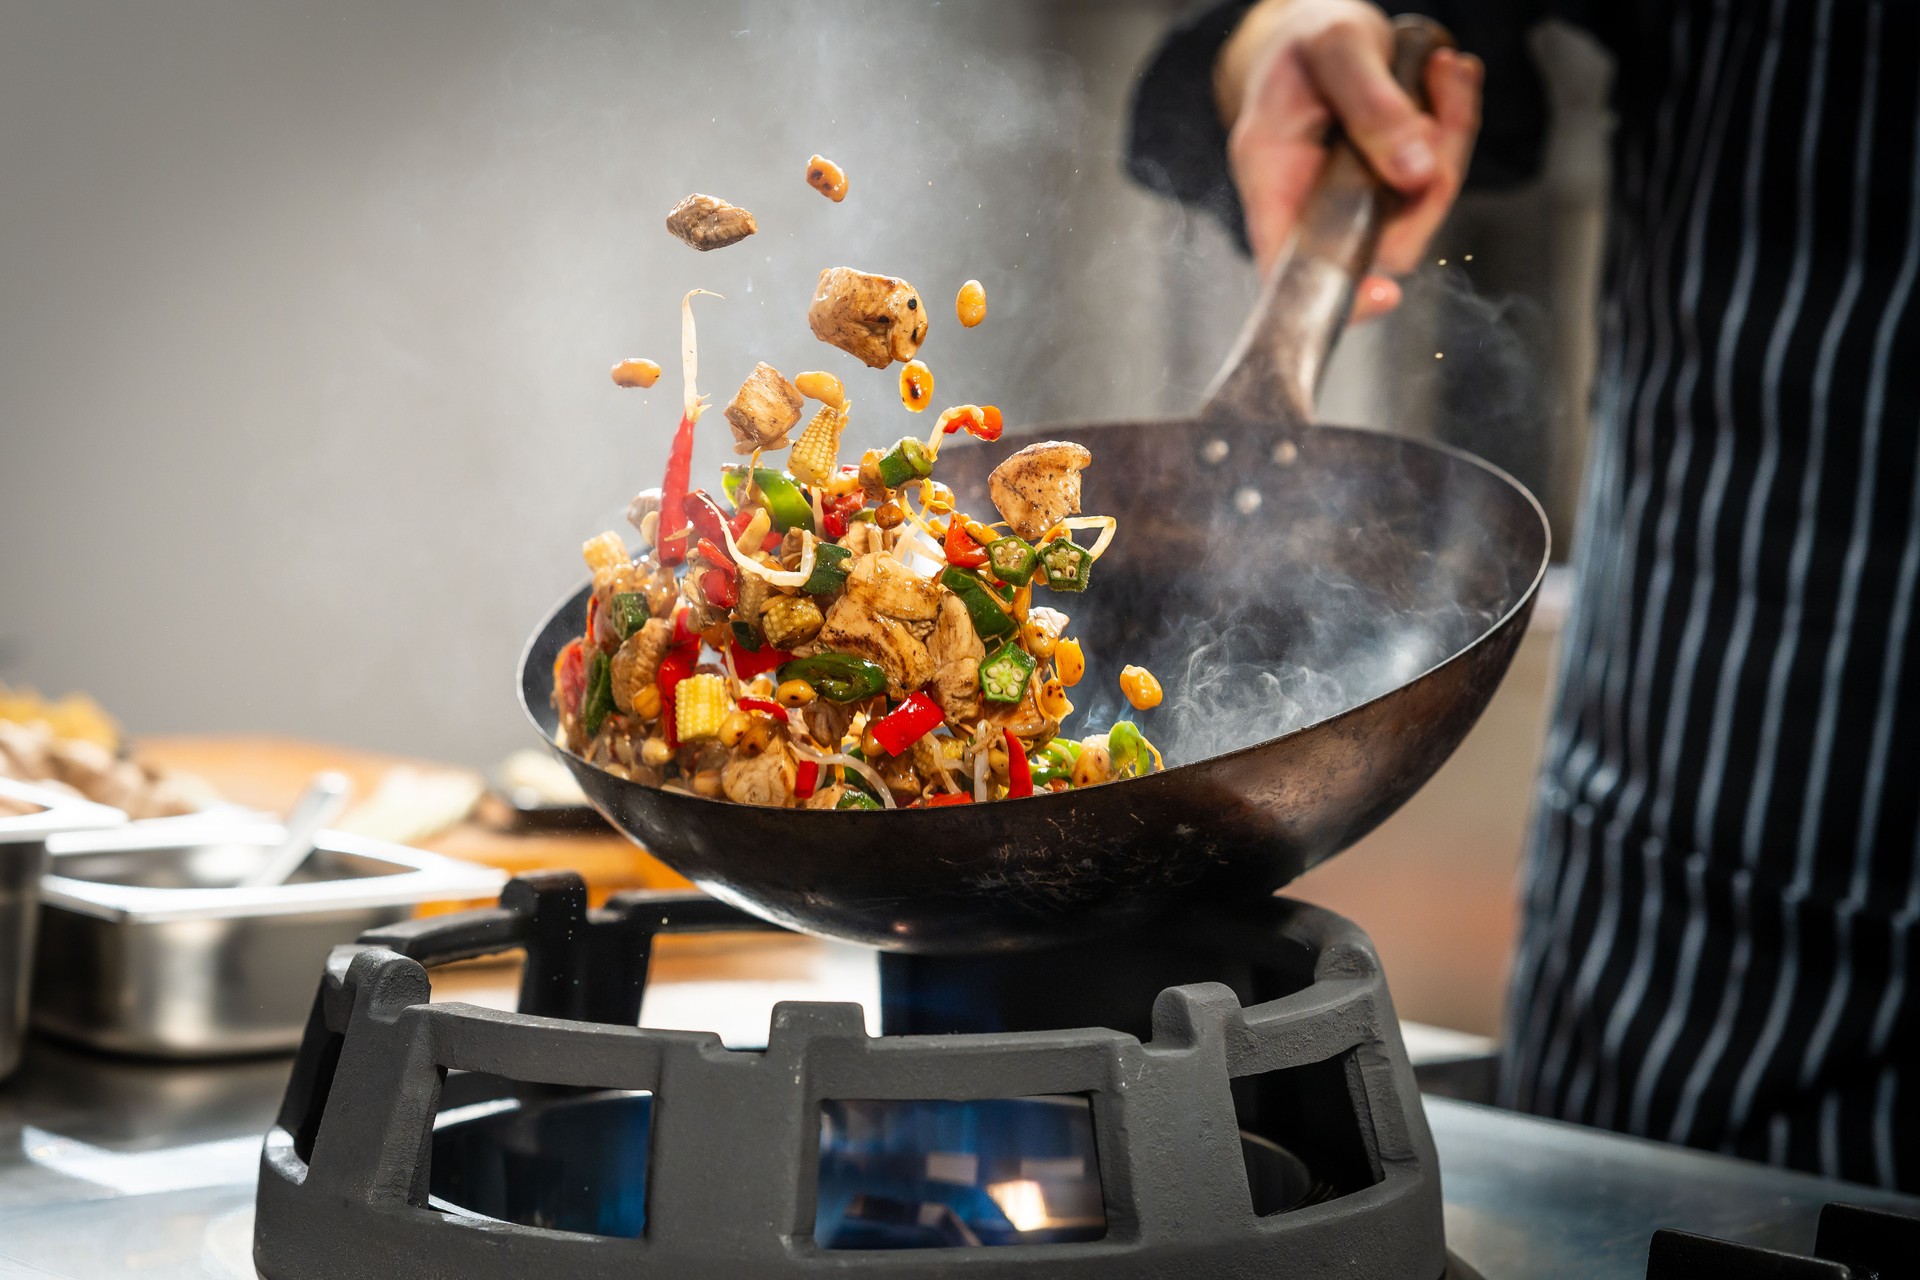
[(1521, 603)]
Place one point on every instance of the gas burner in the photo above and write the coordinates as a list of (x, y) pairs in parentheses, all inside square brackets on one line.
[(1258, 1116)]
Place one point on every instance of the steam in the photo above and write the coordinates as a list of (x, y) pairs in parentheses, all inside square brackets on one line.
[(1326, 579)]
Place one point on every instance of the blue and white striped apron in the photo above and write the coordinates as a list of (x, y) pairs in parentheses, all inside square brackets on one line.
[(1720, 904)]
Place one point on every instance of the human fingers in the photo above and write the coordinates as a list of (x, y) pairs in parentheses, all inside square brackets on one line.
[(1376, 296), (1349, 62), (1453, 85)]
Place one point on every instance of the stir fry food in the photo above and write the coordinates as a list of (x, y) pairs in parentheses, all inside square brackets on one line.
[(840, 636)]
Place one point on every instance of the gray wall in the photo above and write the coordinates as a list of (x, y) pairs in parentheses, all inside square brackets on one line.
[(306, 309)]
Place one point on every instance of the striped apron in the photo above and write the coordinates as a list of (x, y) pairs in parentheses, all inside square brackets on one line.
[(1719, 943)]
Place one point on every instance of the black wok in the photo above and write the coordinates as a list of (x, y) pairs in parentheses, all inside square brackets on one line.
[(1329, 609)]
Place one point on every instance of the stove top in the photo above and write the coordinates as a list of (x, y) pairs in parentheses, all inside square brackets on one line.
[(112, 1169)]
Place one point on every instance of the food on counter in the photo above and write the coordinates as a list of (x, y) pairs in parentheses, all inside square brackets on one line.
[(841, 636), (708, 222), (875, 319), (73, 745), (763, 410), (970, 305), (636, 373), (916, 385), (828, 178)]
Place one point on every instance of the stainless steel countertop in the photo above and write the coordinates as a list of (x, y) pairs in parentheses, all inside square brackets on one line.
[(111, 1169)]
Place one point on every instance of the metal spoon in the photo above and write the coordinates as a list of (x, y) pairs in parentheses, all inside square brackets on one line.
[(320, 804)]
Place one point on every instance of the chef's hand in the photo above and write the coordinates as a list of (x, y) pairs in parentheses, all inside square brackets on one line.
[(1295, 66)]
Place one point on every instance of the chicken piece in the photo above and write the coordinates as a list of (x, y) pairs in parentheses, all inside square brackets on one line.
[(765, 779), (1023, 718), (956, 652), (902, 779), (887, 586), (1039, 486), (763, 410), (956, 687), (637, 662), (708, 222), (854, 628), (875, 319), (953, 635), (825, 798)]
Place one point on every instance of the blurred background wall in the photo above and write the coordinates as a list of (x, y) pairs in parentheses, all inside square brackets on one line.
[(306, 312), (307, 308)]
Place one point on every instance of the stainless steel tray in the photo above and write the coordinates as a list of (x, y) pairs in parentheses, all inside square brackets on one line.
[(23, 855), (147, 948)]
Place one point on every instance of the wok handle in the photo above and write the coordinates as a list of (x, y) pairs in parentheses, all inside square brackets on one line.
[(1277, 361)]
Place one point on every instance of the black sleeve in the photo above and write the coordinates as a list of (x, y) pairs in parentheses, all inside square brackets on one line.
[(1176, 145)]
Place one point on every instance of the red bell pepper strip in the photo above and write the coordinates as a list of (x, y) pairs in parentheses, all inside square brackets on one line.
[(1019, 773), (718, 587), (570, 672), (721, 560), (675, 667), (683, 632), (767, 705), (907, 723), (961, 549), (748, 664), (709, 522), (948, 797), (771, 543), (673, 493), (741, 519), (593, 616), (805, 778)]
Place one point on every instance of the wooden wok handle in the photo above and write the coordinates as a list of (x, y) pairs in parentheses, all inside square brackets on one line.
[(1277, 361)]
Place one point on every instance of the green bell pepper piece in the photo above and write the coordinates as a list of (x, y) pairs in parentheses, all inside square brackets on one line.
[(829, 569), (1005, 673), (1013, 559), (851, 799), (1054, 762), (907, 460), (596, 704), (629, 612), (786, 502), (990, 621), (856, 783), (837, 677), (1127, 747), (1066, 565)]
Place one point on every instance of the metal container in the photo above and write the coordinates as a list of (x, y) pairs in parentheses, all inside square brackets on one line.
[(146, 946), (23, 856)]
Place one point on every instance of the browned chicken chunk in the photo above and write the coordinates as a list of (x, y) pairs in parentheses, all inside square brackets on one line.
[(885, 585), (763, 779), (1039, 486), (854, 628), (763, 410), (708, 222), (875, 319)]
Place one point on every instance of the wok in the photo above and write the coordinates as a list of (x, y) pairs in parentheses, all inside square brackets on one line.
[(1329, 609)]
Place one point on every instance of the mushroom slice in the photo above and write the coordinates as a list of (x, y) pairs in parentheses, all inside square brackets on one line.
[(708, 222)]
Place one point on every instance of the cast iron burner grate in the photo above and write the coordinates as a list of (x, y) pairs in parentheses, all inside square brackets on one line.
[(1229, 1095)]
